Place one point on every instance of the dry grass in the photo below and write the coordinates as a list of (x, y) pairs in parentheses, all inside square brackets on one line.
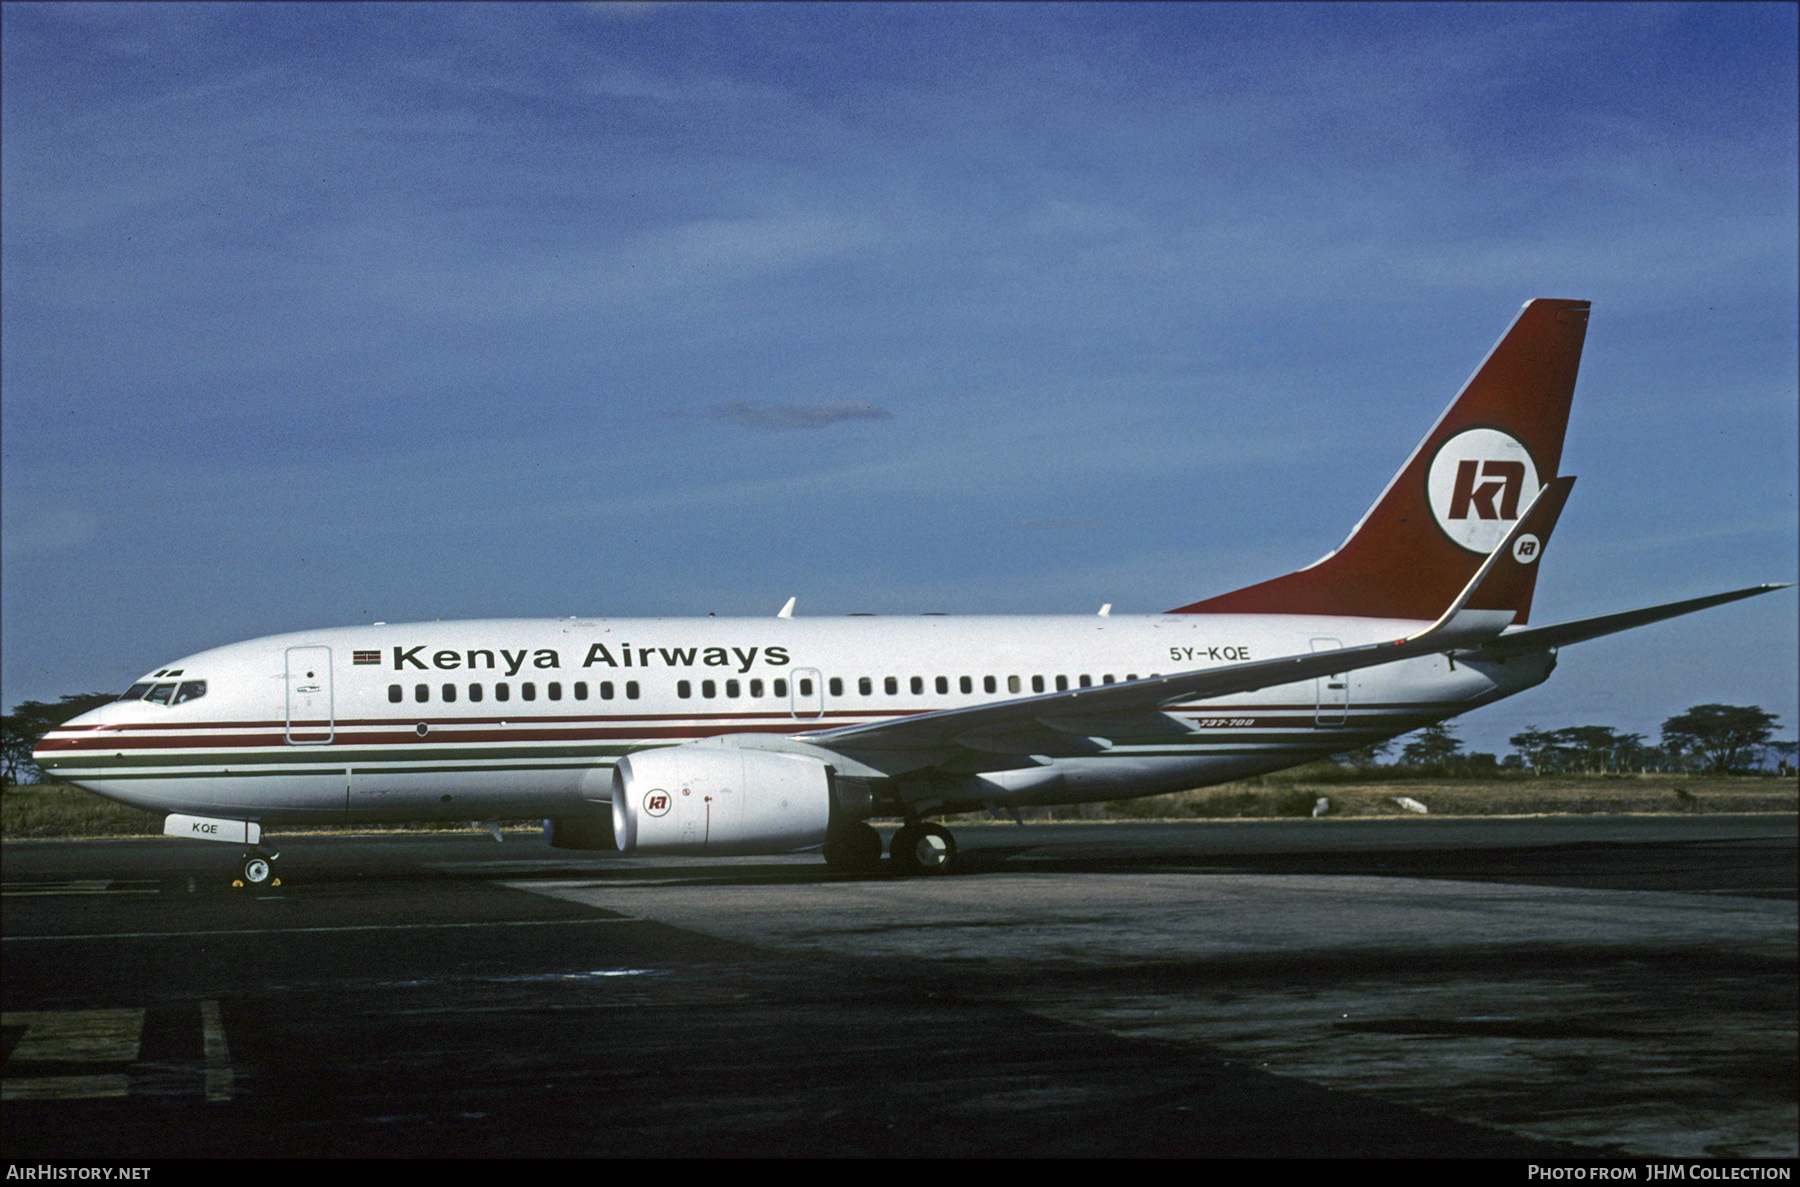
[(1511, 796), (52, 810)]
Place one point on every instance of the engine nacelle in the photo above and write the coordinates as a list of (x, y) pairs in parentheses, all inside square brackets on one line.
[(712, 799)]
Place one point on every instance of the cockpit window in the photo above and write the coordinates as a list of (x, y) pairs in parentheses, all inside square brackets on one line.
[(190, 690), (136, 691), (160, 694)]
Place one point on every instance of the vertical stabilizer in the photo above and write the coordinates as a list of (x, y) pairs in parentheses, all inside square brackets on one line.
[(1457, 496)]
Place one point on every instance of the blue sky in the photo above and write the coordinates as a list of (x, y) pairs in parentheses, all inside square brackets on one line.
[(319, 315)]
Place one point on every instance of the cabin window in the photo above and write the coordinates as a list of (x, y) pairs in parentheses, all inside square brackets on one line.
[(474, 692), (1130, 676), (709, 688), (1087, 681), (554, 691), (988, 685), (1012, 684), (449, 692), (1037, 684), (890, 686), (943, 685), (581, 690), (865, 686), (606, 690), (1062, 684), (780, 687), (966, 684), (835, 687), (396, 694), (631, 690), (756, 688), (421, 692), (1106, 679), (502, 691), (528, 690), (138, 690), (732, 688), (684, 689)]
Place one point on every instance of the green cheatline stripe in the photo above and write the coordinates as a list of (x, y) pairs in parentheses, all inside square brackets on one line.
[(333, 758), (109, 776), (1339, 739), (339, 773)]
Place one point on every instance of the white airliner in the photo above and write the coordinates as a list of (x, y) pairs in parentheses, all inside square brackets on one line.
[(772, 735)]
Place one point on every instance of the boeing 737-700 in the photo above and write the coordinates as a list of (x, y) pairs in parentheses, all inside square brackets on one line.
[(781, 734)]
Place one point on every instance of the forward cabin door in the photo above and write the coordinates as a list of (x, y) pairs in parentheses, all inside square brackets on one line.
[(309, 717), (1332, 695)]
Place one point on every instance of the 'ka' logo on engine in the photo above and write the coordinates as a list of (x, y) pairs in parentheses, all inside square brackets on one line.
[(656, 803), (1476, 484)]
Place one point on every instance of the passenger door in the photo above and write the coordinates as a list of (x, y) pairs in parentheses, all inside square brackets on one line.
[(309, 714), (1331, 693)]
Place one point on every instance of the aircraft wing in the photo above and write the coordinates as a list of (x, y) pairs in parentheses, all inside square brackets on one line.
[(1541, 638), (1063, 723)]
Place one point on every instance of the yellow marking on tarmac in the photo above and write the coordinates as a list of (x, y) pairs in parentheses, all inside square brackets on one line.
[(71, 1036), (218, 1055)]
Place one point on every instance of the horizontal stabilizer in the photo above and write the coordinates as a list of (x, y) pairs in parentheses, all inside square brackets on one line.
[(1542, 638)]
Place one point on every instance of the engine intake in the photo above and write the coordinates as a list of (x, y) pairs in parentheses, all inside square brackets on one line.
[(709, 799)]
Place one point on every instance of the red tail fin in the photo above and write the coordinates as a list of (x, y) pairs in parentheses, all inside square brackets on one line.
[(1457, 495)]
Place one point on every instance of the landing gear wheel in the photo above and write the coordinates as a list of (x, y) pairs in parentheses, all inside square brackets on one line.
[(258, 871), (922, 849), (853, 849)]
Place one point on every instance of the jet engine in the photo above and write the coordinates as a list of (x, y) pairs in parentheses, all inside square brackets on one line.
[(712, 799)]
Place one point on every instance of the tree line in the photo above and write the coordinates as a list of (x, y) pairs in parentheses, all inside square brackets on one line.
[(1706, 738), (1713, 739)]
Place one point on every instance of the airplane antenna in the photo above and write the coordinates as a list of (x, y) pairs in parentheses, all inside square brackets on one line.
[(787, 611)]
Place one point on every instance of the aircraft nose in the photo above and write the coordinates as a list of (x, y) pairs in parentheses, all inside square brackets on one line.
[(60, 740)]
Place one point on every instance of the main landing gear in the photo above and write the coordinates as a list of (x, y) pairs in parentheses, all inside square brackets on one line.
[(918, 848), (853, 848), (922, 848), (258, 870)]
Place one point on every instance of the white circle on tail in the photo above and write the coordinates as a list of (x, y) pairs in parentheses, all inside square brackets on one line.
[(1479, 483), (1526, 549)]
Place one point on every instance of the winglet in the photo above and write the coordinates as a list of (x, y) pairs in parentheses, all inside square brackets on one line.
[(1486, 605)]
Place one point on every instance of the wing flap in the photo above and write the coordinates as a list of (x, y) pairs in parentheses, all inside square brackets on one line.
[(1142, 724)]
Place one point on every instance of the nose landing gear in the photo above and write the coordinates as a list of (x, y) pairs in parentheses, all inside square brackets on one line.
[(258, 870)]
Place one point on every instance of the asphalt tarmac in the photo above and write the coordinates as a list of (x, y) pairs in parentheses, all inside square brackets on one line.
[(1523, 988)]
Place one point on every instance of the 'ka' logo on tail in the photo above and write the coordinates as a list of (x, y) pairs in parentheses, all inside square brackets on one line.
[(1476, 484), (1467, 496)]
